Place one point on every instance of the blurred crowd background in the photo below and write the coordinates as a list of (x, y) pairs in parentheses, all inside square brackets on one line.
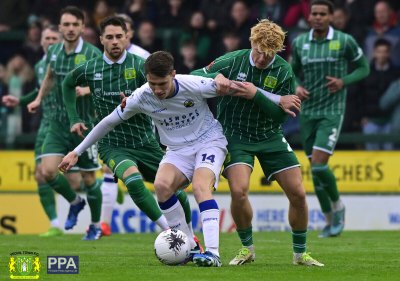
[(196, 32)]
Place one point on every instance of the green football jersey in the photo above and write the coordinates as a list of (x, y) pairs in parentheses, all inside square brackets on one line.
[(321, 58), (106, 81), (242, 119), (61, 64)]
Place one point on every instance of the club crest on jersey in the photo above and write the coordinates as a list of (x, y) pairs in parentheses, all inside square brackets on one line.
[(79, 59), (188, 103), (270, 82), (130, 73), (334, 45), (241, 76)]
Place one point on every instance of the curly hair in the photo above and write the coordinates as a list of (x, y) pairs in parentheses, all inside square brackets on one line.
[(268, 37)]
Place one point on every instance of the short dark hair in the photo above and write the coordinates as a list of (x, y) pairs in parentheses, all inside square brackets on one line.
[(382, 42), (112, 20), (160, 63), (73, 10), (327, 3)]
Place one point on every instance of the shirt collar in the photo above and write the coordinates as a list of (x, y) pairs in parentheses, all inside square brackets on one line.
[(120, 61), (79, 47), (252, 62), (329, 36)]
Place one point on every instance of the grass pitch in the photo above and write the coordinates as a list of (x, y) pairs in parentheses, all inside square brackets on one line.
[(372, 255)]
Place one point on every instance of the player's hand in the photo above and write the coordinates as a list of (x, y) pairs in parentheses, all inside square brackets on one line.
[(33, 106), (78, 129), (82, 91), (289, 103), (123, 101), (334, 84), (302, 93), (68, 162), (244, 90), (223, 84), (10, 101)]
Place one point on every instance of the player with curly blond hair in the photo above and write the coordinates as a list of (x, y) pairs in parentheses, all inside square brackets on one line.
[(251, 118)]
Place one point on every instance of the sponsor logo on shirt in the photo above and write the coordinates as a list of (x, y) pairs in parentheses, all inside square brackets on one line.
[(241, 76), (98, 76), (189, 103), (130, 73), (270, 82), (334, 45), (306, 46), (179, 121), (79, 58), (53, 57)]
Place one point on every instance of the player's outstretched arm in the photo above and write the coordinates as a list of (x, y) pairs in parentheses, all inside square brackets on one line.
[(68, 161), (44, 90), (69, 98)]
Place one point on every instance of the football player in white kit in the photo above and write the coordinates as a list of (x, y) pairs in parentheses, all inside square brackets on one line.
[(196, 146)]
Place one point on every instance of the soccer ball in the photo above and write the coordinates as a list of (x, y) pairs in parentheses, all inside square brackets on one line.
[(172, 247)]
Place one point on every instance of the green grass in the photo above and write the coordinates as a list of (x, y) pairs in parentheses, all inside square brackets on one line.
[(372, 255)]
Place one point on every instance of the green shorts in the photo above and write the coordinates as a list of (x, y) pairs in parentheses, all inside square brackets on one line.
[(41, 135), (274, 155), (320, 132), (145, 158), (59, 141)]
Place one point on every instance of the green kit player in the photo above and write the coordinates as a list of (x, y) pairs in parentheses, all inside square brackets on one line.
[(131, 150), (50, 35), (253, 129), (322, 56), (61, 59)]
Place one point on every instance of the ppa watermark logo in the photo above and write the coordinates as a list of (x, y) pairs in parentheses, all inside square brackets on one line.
[(24, 265), (62, 264)]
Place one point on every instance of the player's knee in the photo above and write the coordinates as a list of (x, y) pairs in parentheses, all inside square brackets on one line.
[(297, 195), (49, 174), (163, 189), (239, 194), (39, 178)]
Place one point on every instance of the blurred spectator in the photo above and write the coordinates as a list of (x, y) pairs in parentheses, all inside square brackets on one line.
[(297, 15), (188, 59), (241, 23), (361, 15), (341, 19), (390, 101), (146, 37), (90, 35), (217, 16), (383, 73), (133, 48), (273, 10), (101, 11), (173, 14), (230, 41), (196, 32), (385, 26), (32, 49), (13, 14), (19, 78), (140, 10)]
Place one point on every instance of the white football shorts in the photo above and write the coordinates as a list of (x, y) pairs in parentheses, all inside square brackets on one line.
[(209, 155)]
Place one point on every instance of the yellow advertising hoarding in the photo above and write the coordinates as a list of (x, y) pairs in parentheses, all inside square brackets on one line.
[(356, 172), (22, 214)]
